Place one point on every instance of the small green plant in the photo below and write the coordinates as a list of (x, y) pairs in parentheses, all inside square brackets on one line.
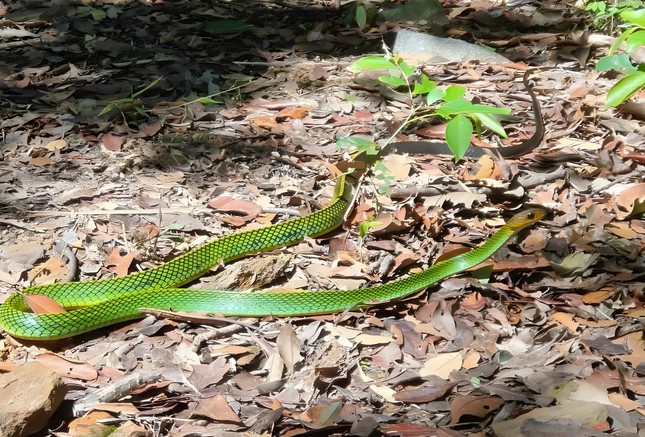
[(633, 37), (605, 13), (129, 105), (360, 13), (132, 105), (364, 227), (428, 101), (360, 16)]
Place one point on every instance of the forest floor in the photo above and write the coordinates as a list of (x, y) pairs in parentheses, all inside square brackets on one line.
[(238, 130)]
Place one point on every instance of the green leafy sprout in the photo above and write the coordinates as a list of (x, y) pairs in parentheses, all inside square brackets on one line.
[(128, 105), (605, 14), (428, 101), (632, 14)]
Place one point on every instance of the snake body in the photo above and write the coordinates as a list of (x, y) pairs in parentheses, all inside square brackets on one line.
[(95, 304)]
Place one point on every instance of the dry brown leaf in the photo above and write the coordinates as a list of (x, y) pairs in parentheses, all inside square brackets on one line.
[(117, 408), (486, 169), (323, 415), (112, 142), (627, 198), (68, 367), (398, 165), (120, 262), (442, 365), (404, 259), (88, 425), (150, 129), (229, 205), (52, 146), (41, 304), (205, 375), (231, 349), (473, 302), (388, 355), (471, 360), (53, 270), (265, 218), (289, 347), (622, 401), (565, 319), (636, 343), (596, 297), (264, 121), (425, 394), (443, 321), (385, 392), (245, 209), (371, 340), (621, 229), (295, 112), (476, 406), (40, 161), (216, 408)]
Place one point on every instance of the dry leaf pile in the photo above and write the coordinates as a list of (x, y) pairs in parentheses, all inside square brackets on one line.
[(547, 336)]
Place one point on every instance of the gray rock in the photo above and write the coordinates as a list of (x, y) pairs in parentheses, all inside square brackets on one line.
[(429, 48), (28, 397)]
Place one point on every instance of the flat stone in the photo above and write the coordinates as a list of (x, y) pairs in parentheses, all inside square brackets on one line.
[(28, 397), (417, 47)]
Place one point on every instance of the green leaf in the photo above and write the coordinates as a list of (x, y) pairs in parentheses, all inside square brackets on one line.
[(615, 62), (392, 81), (173, 227), (485, 109), (625, 88), (491, 123), (503, 356), (458, 133), (424, 87), (122, 101), (483, 274), (360, 144), (452, 107), (155, 82), (98, 14), (113, 11), (361, 16), (596, 7), (364, 227), (634, 16), (383, 174), (208, 101), (623, 36), (434, 96), (108, 108), (635, 40), (454, 92), (407, 70), (221, 27), (371, 63)]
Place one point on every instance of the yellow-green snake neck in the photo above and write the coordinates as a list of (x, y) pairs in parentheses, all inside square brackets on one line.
[(108, 301)]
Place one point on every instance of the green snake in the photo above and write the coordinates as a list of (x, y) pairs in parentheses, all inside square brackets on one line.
[(95, 304)]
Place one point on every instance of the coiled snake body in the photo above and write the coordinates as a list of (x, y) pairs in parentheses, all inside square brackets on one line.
[(95, 304)]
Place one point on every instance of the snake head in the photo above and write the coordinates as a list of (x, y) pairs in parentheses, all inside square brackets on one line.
[(525, 218)]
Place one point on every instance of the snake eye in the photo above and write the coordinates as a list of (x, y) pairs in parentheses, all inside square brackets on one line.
[(531, 215)]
